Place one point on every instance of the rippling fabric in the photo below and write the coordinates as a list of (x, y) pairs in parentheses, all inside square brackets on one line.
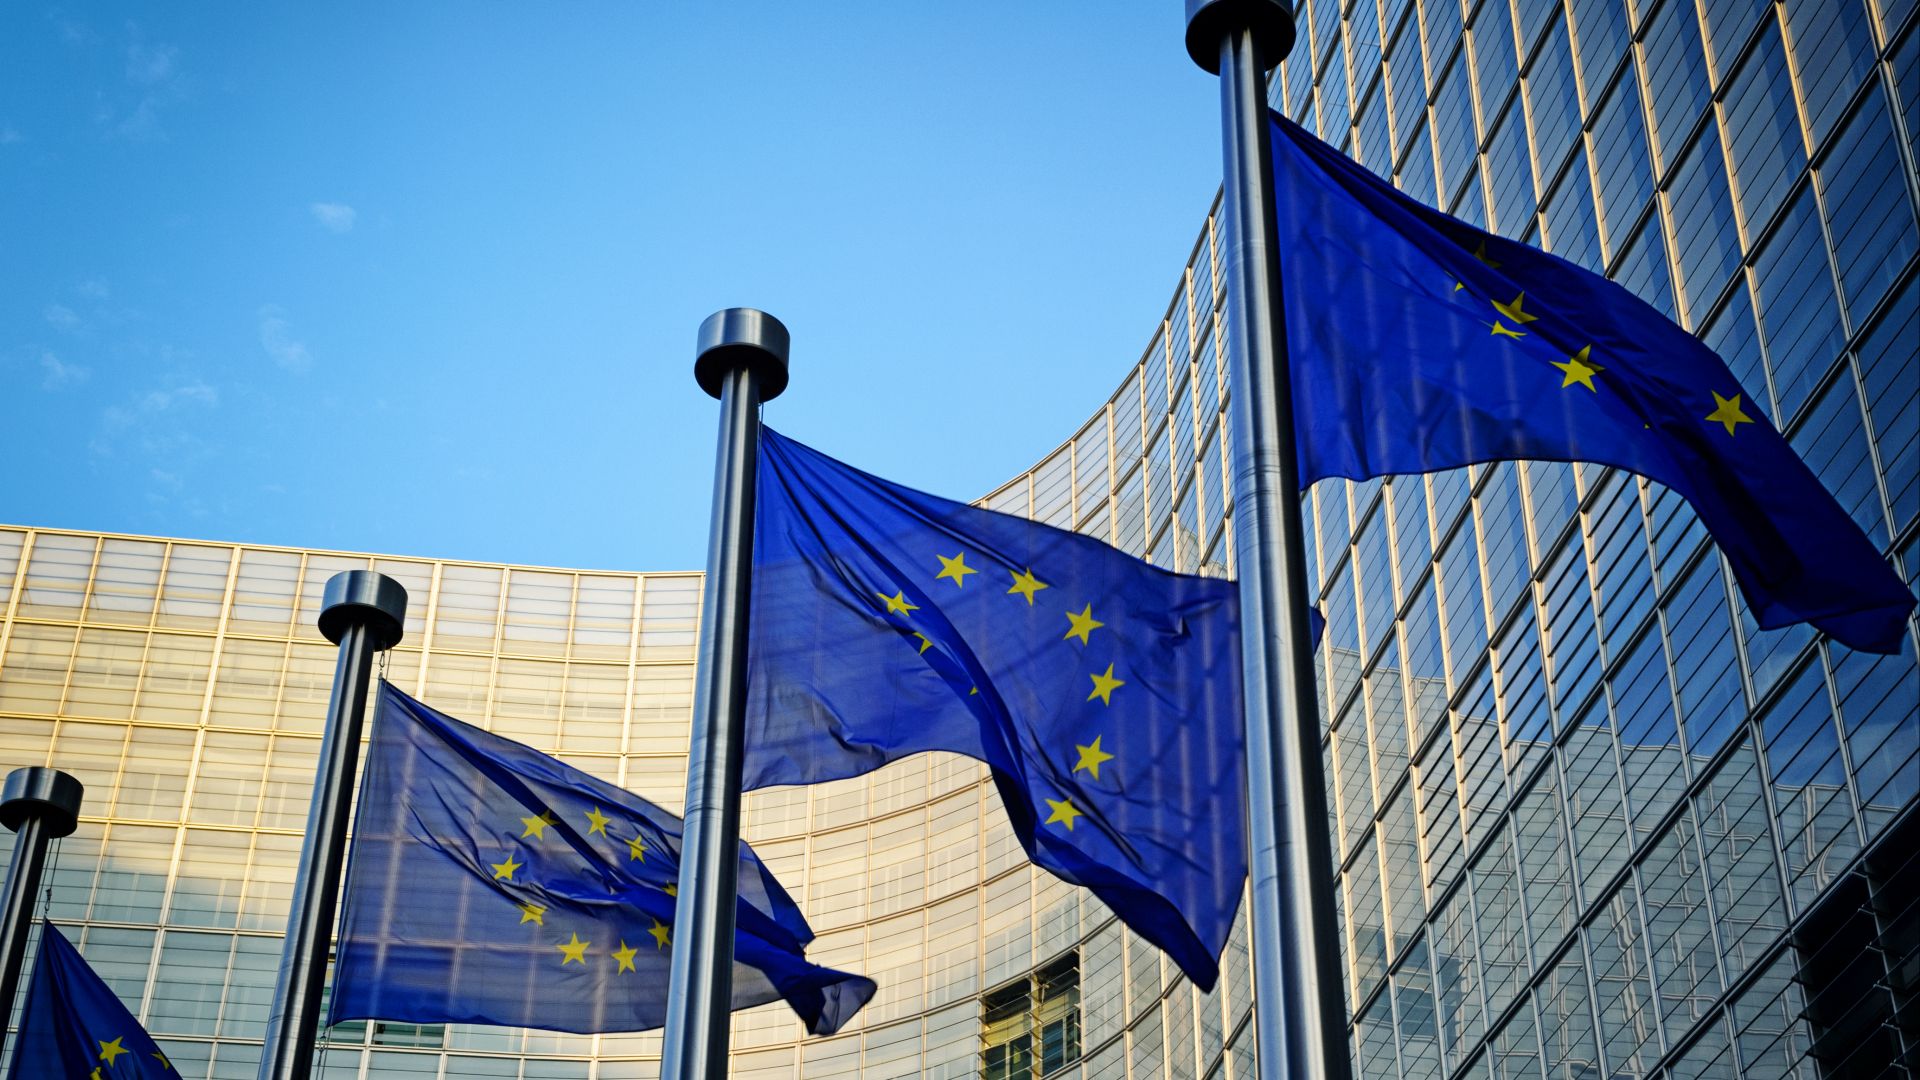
[(1104, 692), (492, 884), (1417, 342), (74, 1025)]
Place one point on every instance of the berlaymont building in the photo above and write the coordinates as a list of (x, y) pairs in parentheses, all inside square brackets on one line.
[(1590, 822)]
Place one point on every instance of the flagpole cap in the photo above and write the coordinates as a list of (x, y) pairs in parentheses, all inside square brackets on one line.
[(742, 337), (48, 794), (364, 598), (1210, 21)]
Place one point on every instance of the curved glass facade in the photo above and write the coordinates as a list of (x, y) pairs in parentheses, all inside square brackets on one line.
[(1591, 822)]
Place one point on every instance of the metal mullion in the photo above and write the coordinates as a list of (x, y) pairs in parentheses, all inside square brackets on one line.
[(427, 631), (80, 629), (19, 586), (633, 676)]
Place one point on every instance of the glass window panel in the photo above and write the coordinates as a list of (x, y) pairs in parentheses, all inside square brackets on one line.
[(11, 541), (1525, 728), (603, 617), (1365, 922), (1572, 638), (133, 873), (1674, 65), (1891, 379), (1618, 541), (1455, 137), (1570, 230), (173, 679), (1650, 758), (1600, 38), (125, 582), (1740, 868), (1814, 808), (1414, 1018), (1456, 978), (1704, 663), (1880, 710), (1703, 227), (207, 885), (1476, 743), (1441, 837), (1495, 67), (1679, 931), (1762, 123), (1868, 212), (1728, 25), (57, 576), (1510, 170), (1799, 315), (1629, 1034), (1642, 269), (188, 983), (1832, 49), (1832, 441), (1502, 948), (1733, 335), (195, 586), (106, 669), (1600, 834), (1400, 871), (1553, 103), (1566, 1021), (264, 593), (152, 781)]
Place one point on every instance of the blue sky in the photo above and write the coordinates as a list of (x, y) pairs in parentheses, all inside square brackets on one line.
[(424, 279)]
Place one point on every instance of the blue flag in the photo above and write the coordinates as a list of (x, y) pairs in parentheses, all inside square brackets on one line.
[(75, 1026), (1104, 692), (1417, 342), (491, 884)]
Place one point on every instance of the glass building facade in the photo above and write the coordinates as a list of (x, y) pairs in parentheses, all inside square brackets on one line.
[(1591, 821)]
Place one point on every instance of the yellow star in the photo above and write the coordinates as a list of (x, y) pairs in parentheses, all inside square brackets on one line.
[(1091, 757), (637, 849), (1481, 254), (597, 822), (672, 889), (623, 956), (532, 913), (95, 1074), (1026, 585), (1104, 685), (1084, 624), (897, 603), (574, 952), (1727, 411), (164, 1063), (1512, 310), (503, 871), (1501, 329), (955, 568), (1063, 813), (1579, 369), (925, 642), (662, 934), (111, 1051), (537, 825)]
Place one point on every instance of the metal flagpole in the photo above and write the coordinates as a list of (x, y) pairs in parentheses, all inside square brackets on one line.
[(1299, 1012), (364, 613), (742, 360), (39, 805)]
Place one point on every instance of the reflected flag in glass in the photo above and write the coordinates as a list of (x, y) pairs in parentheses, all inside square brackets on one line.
[(1417, 342), (489, 883), (1104, 692), (74, 1025)]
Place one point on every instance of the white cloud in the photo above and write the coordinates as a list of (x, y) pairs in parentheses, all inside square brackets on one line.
[(62, 316), (276, 337), (193, 393), (56, 373), (334, 217), (150, 65), (94, 288)]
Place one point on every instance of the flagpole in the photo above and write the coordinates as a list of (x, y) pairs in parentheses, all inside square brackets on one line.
[(1299, 1012), (364, 613), (742, 360), (38, 804)]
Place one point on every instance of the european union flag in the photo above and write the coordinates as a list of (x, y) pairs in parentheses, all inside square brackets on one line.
[(74, 1025), (1417, 342), (1104, 692), (491, 884)]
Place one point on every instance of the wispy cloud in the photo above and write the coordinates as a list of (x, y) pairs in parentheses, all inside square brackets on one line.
[(334, 217), (62, 317), (10, 135), (276, 337), (164, 425), (94, 289), (153, 74), (56, 373)]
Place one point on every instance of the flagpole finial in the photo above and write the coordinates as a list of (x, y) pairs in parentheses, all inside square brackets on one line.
[(364, 597), (1210, 21), (742, 337), (48, 794)]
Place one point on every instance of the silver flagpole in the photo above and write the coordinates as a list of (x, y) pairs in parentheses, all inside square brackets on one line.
[(1298, 1007), (363, 613), (39, 805), (742, 360)]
